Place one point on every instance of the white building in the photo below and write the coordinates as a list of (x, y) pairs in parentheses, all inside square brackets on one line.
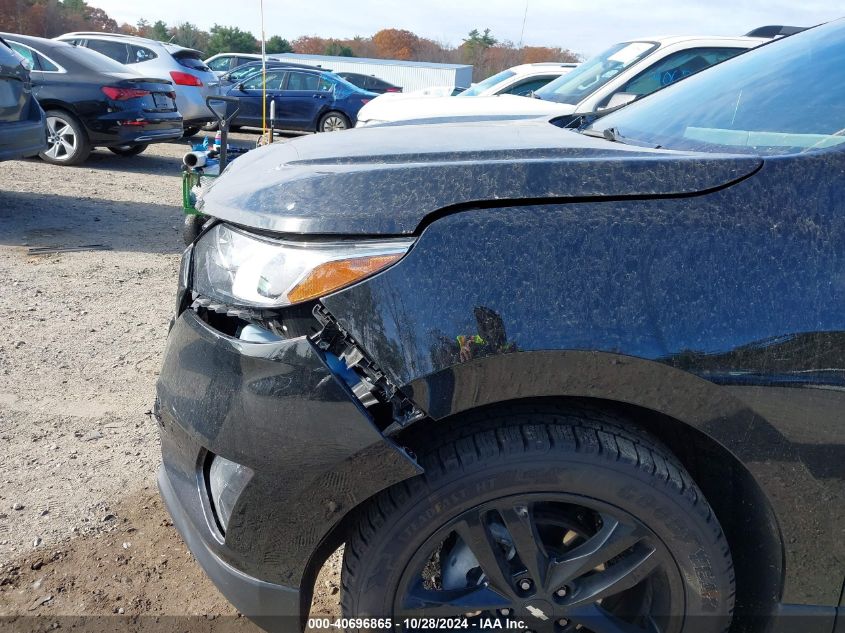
[(409, 75)]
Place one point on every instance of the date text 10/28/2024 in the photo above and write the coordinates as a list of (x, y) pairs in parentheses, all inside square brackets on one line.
[(352, 624)]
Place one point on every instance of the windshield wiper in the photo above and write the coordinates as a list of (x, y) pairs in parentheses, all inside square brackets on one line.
[(611, 134)]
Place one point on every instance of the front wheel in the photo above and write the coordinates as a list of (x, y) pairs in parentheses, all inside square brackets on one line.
[(128, 150), (191, 130), (333, 122), (67, 141), (562, 522)]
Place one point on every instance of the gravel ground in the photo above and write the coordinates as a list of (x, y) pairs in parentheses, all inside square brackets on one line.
[(82, 530)]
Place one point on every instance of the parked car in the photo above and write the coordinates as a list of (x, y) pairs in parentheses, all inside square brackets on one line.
[(620, 74), (250, 68), (192, 80), (309, 100), (553, 379), (223, 63), (519, 80), (92, 101), (370, 83), (22, 121)]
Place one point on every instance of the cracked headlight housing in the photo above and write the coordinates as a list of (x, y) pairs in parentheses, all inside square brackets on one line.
[(244, 269)]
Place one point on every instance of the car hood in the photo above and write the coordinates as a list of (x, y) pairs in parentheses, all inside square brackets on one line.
[(399, 108), (386, 180)]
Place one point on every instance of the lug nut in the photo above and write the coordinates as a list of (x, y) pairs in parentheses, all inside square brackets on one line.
[(525, 584), (562, 622), (561, 593)]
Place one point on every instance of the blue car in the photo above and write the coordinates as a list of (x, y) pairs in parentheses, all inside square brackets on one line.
[(310, 100)]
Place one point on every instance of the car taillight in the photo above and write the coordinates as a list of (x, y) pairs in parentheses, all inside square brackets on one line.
[(185, 79), (122, 94), (393, 89)]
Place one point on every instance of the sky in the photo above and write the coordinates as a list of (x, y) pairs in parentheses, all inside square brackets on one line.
[(584, 26)]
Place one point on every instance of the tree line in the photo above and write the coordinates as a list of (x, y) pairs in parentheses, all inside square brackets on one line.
[(487, 54)]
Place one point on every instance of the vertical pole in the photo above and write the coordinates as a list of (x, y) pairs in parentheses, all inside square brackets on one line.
[(263, 72)]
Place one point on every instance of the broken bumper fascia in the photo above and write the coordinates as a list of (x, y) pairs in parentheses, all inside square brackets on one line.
[(314, 451)]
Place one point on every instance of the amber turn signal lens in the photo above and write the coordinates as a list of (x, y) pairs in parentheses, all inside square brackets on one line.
[(330, 276)]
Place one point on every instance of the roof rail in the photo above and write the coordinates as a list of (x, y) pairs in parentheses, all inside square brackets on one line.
[(775, 30)]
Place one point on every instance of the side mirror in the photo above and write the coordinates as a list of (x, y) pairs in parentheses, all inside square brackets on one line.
[(620, 99), (241, 86)]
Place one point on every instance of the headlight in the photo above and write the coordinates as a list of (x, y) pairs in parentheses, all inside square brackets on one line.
[(249, 270)]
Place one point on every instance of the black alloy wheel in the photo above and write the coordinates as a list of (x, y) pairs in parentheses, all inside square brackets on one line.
[(546, 522)]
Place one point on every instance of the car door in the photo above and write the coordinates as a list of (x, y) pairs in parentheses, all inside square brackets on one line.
[(303, 98), (250, 93)]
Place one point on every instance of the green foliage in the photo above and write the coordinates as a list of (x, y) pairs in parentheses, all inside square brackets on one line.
[(338, 50), (230, 39), (159, 31), (475, 39), (188, 35), (277, 44)]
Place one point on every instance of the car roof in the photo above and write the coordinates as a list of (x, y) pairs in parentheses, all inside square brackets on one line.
[(40, 43), (666, 40), (122, 37)]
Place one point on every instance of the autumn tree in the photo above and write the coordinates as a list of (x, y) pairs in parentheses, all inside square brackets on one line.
[(309, 45), (189, 36), (396, 44)]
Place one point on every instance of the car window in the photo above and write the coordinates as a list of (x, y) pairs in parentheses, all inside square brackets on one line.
[(241, 72), (27, 54), (116, 50), (240, 61), (273, 79), (139, 54), (221, 64), (588, 77), (783, 97), (491, 81), (303, 81), (677, 66), (326, 84), (524, 88)]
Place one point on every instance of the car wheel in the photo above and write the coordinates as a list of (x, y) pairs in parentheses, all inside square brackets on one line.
[(190, 131), (566, 522), (67, 141), (333, 122), (211, 127), (129, 150)]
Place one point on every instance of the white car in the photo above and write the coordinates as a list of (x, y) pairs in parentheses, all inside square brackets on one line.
[(192, 80), (519, 80), (622, 73)]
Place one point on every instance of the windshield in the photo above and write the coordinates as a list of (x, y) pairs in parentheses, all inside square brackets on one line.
[(780, 98), (588, 77), (491, 81)]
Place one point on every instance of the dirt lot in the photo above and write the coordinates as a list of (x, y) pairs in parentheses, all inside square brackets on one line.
[(82, 530)]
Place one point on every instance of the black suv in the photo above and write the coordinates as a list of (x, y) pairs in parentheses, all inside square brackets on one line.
[(532, 377), (92, 101), (22, 121)]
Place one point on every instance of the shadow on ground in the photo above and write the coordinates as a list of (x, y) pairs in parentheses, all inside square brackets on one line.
[(43, 219)]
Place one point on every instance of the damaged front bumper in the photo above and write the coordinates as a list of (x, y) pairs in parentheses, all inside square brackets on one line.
[(313, 450)]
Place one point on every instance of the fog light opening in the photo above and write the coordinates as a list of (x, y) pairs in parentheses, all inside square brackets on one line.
[(225, 481)]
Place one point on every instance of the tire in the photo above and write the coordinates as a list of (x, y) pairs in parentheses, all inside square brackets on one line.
[(211, 127), (67, 140), (618, 519), (191, 227), (129, 150), (333, 122), (190, 131)]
